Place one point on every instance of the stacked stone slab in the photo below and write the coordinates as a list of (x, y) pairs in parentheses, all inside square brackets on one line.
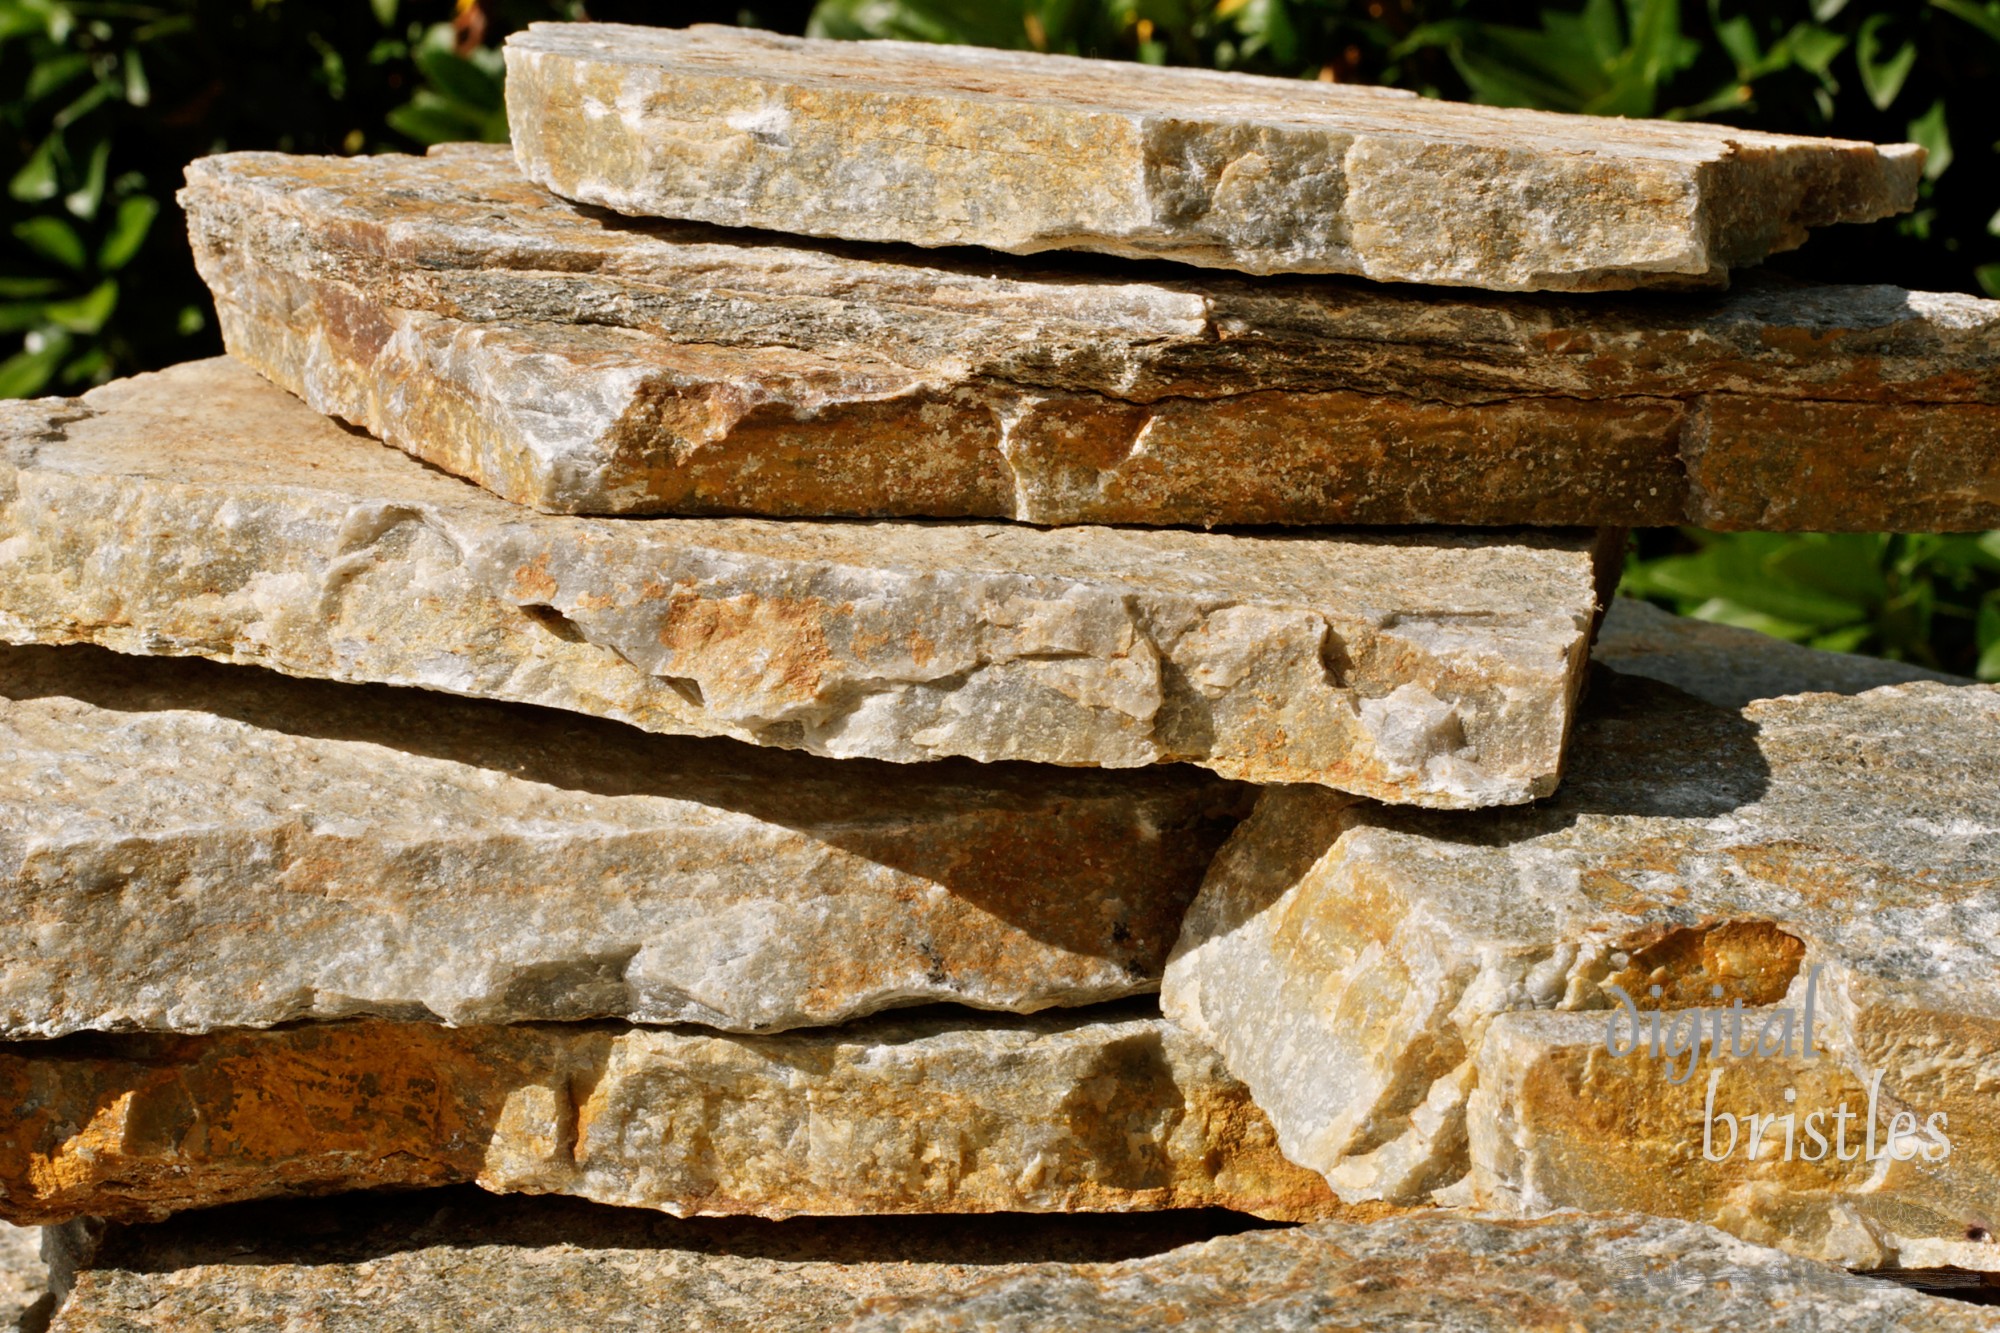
[(677, 735)]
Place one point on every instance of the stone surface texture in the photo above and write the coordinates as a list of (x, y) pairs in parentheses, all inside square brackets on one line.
[(1731, 667), (186, 846), (1013, 151), (440, 1261), (448, 1261), (1354, 966), (24, 1280), (1565, 1273), (1105, 1109), (585, 364), (202, 511)]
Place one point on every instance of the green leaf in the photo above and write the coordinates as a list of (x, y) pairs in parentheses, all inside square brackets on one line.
[(20, 316), (1930, 130), (26, 373), (1986, 637), (1988, 278), (1882, 77), (52, 238), (37, 180), (87, 313), (83, 201), (128, 232), (385, 12), (995, 23), (460, 80), (1986, 18), (55, 73), (138, 92), (14, 289)]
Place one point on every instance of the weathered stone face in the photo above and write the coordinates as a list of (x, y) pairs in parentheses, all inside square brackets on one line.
[(185, 846), (1095, 1110), (203, 511), (24, 1279), (1351, 963), (582, 364), (939, 145), (445, 1261), (1731, 667), (1437, 1271)]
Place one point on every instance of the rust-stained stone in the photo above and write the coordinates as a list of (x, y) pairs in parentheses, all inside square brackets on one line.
[(1730, 667), (1103, 1109), (448, 1261), (1014, 151), (186, 846), (441, 1262), (1353, 963), (582, 364), (204, 511), (1565, 1273)]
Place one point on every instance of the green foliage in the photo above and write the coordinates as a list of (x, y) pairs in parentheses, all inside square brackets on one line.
[(1932, 600), (112, 99)]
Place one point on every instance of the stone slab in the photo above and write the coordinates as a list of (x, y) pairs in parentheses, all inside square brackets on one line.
[(581, 363), (187, 846), (451, 1260), (1353, 965), (24, 1280), (1730, 667), (443, 1261), (1573, 1272), (1014, 151), (1107, 1109), (202, 511)]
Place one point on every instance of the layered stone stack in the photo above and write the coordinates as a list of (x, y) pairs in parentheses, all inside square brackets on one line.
[(675, 733)]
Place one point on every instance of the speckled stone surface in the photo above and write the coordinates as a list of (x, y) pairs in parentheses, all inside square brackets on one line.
[(940, 1111), (582, 363), (24, 1280), (1730, 667), (203, 511), (445, 1261), (1354, 963), (941, 145), (1567, 1273), (186, 846)]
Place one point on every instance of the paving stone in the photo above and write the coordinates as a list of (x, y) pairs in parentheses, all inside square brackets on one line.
[(581, 363), (1370, 973), (1107, 1109), (186, 846), (1014, 151), (202, 511)]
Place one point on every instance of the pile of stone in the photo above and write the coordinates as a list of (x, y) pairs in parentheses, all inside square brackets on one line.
[(677, 734)]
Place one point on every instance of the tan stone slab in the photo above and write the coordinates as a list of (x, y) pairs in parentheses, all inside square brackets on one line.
[(1730, 667), (204, 511), (1351, 962), (186, 846), (584, 364), (448, 1261), (442, 1261), (1566, 1273), (1103, 1109), (943, 145)]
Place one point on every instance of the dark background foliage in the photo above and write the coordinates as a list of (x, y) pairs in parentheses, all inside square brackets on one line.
[(101, 104)]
